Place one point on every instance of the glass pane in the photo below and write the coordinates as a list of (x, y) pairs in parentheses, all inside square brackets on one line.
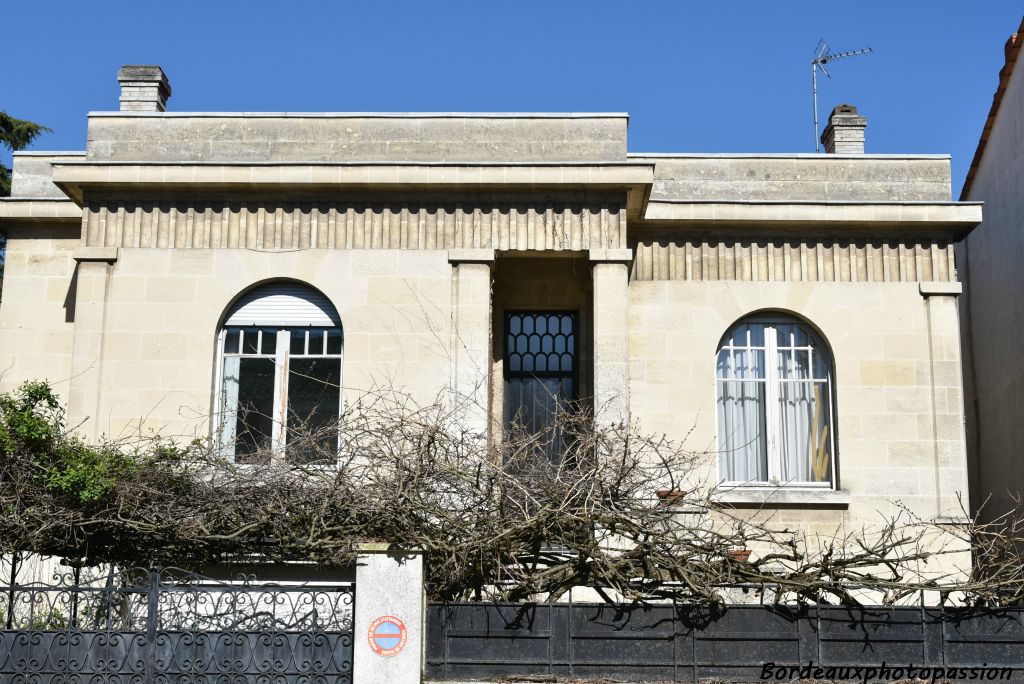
[(805, 432), (741, 364), (723, 369), (268, 341), (539, 343), (756, 334), (334, 341), (742, 437), (316, 341), (250, 340), (531, 406), (314, 400), (800, 336), (231, 340), (821, 367), (298, 342), (253, 409)]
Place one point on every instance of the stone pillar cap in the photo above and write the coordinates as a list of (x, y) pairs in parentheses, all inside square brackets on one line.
[(135, 73), (846, 115)]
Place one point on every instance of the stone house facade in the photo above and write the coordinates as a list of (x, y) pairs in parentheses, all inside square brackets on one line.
[(792, 315)]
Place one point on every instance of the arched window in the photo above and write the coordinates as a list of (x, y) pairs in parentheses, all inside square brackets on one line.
[(775, 413), (279, 352)]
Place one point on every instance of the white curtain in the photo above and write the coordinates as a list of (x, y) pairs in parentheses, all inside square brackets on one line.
[(742, 429), (741, 415), (803, 420)]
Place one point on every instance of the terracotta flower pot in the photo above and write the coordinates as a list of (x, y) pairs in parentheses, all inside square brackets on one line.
[(739, 555), (671, 497)]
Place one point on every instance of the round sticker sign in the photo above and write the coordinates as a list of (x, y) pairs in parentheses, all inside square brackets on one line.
[(387, 636)]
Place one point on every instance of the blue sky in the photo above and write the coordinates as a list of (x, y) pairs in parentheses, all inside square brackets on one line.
[(694, 76)]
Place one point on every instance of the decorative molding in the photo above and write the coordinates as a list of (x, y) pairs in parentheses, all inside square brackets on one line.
[(856, 261), (519, 226)]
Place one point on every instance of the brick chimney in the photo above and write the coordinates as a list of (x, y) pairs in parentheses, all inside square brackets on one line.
[(144, 88), (845, 131)]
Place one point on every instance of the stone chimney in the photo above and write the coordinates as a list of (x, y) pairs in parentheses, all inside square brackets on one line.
[(845, 131), (144, 88)]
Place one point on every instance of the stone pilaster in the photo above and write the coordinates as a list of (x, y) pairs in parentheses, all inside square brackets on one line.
[(611, 333), (947, 399), (471, 335), (92, 281)]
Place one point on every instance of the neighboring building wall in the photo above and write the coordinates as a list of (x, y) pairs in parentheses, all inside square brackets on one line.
[(993, 309)]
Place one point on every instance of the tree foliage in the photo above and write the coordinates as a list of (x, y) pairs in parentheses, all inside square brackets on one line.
[(622, 512), (16, 134)]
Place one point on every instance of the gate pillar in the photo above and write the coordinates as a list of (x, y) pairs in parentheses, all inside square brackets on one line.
[(389, 616)]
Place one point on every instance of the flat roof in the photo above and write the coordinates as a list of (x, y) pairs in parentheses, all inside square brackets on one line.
[(374, 115), (779, 155)]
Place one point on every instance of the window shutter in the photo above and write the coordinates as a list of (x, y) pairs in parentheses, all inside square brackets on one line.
[(284, 305)]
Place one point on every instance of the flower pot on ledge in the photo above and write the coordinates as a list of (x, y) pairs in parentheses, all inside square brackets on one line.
[(671, 497), (739, 555)]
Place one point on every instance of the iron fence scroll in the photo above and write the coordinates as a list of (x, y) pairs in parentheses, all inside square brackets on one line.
[(154, 626)]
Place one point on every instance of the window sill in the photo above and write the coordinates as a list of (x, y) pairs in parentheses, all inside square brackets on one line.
[(782, 497)]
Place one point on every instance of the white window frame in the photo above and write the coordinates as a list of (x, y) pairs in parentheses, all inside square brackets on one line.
[(773, 383), (281, 357)]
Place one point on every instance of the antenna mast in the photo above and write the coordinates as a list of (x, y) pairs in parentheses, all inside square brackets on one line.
[(823, 56)]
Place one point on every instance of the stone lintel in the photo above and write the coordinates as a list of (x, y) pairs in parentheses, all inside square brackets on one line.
[(951, 289), (471, 256), (618, 256), (108, 254)]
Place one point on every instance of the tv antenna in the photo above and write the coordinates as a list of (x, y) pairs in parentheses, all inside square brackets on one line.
[(822, 56)]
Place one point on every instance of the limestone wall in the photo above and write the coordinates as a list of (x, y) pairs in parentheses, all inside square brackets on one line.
[(797, 177), (899, 406), (153, 365), (284, 137), (37, 310)]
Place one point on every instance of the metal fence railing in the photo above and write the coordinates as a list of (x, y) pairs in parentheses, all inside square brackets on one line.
[(149, 625), (469, 641)]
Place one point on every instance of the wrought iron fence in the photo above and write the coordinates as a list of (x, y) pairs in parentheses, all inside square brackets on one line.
[(155, 626)]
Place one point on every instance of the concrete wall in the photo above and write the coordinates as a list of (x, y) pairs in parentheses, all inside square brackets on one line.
[(800, 177), (993, 311), (356, 137)]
